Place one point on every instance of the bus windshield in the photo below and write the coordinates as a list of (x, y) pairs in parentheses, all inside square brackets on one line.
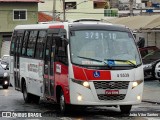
[(97, 47)]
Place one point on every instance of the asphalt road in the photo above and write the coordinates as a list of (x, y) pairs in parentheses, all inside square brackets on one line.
[(12, 102)]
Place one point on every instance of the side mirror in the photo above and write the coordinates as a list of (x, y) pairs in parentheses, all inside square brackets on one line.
[(141, 42)]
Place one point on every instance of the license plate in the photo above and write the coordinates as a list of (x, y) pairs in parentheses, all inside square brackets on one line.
[(112, 92)]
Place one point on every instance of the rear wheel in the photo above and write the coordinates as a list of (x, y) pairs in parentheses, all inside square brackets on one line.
[(5, 86), (35, 99), (125, 108), (27, 96)]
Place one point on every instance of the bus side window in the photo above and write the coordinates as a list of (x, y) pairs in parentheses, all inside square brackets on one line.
[(61, 47), (20, 39), (47, 53), (31, 43), (12, 51), (62, 52), (40, 44), (25, 43)]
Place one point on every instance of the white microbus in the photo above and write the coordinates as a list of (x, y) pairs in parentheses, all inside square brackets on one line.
[(78, 63)]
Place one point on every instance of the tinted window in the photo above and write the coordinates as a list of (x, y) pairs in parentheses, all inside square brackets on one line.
[(31, 43), (147, 50), (61, 51), (13, 43), (151, 57), (40, 44), (25, 42)]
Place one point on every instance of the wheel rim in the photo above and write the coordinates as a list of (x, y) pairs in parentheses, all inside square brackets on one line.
[(62, 103)]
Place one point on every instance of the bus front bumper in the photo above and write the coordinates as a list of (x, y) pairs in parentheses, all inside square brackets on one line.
[(80, 95)]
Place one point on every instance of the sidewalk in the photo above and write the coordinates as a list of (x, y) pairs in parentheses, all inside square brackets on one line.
[(151, 92)]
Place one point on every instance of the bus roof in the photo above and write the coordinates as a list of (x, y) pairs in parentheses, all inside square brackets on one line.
[(64, 24)]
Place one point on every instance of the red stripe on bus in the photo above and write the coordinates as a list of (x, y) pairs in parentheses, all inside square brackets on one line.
[(88, 74), (79, 73), (56, 26), (104, 74)]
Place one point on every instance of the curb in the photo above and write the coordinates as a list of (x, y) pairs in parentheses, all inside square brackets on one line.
[(151, 101)]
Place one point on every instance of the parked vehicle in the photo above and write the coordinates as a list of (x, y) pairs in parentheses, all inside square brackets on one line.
[(4, 78), (147, 50), (157, 71), (149, 62), (5, 61)]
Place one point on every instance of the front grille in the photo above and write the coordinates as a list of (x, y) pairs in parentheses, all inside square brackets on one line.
[(111, 84), (111, 97)]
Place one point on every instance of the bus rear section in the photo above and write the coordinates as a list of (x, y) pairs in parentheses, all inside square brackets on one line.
[(79, 64)]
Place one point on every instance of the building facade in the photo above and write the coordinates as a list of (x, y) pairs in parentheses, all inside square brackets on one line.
[(76, 9), (12, 13)]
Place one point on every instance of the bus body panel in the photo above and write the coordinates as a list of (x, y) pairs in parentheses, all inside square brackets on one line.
[(61, 79), (89, 96), (65, 75), (32, 71), (11, 69)]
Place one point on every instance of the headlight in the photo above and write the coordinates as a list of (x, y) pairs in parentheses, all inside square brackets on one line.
[(79, 97), (5, 82), (136, 83), (5, 74), (86, 84), (83, 83)]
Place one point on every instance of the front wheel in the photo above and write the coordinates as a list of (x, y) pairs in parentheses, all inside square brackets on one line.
[(62, 103), (125, 108)]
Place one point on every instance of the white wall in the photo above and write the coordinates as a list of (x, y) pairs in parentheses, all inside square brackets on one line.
[(81, 12)]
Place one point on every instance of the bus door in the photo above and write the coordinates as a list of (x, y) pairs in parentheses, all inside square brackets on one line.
[(49, 66), (53, 39), (18, 43)]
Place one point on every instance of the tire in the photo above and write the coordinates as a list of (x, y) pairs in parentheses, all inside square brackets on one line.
[(125, 108), (27, 96), (62, 104), (153, 73), (35, 99), (5, 86)]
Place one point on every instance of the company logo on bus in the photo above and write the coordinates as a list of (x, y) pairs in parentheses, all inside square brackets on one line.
[(111, 84), (96, 74)]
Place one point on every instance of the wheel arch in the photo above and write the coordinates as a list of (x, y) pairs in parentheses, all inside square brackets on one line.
[(58, 91)]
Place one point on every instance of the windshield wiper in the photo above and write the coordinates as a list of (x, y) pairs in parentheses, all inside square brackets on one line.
[(105, 63), (123, 61), (90, 58)]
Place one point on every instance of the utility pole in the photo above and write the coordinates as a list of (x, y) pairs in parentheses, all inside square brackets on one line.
[(64, 11), (54, 10), (141, 8), (131, 7)]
